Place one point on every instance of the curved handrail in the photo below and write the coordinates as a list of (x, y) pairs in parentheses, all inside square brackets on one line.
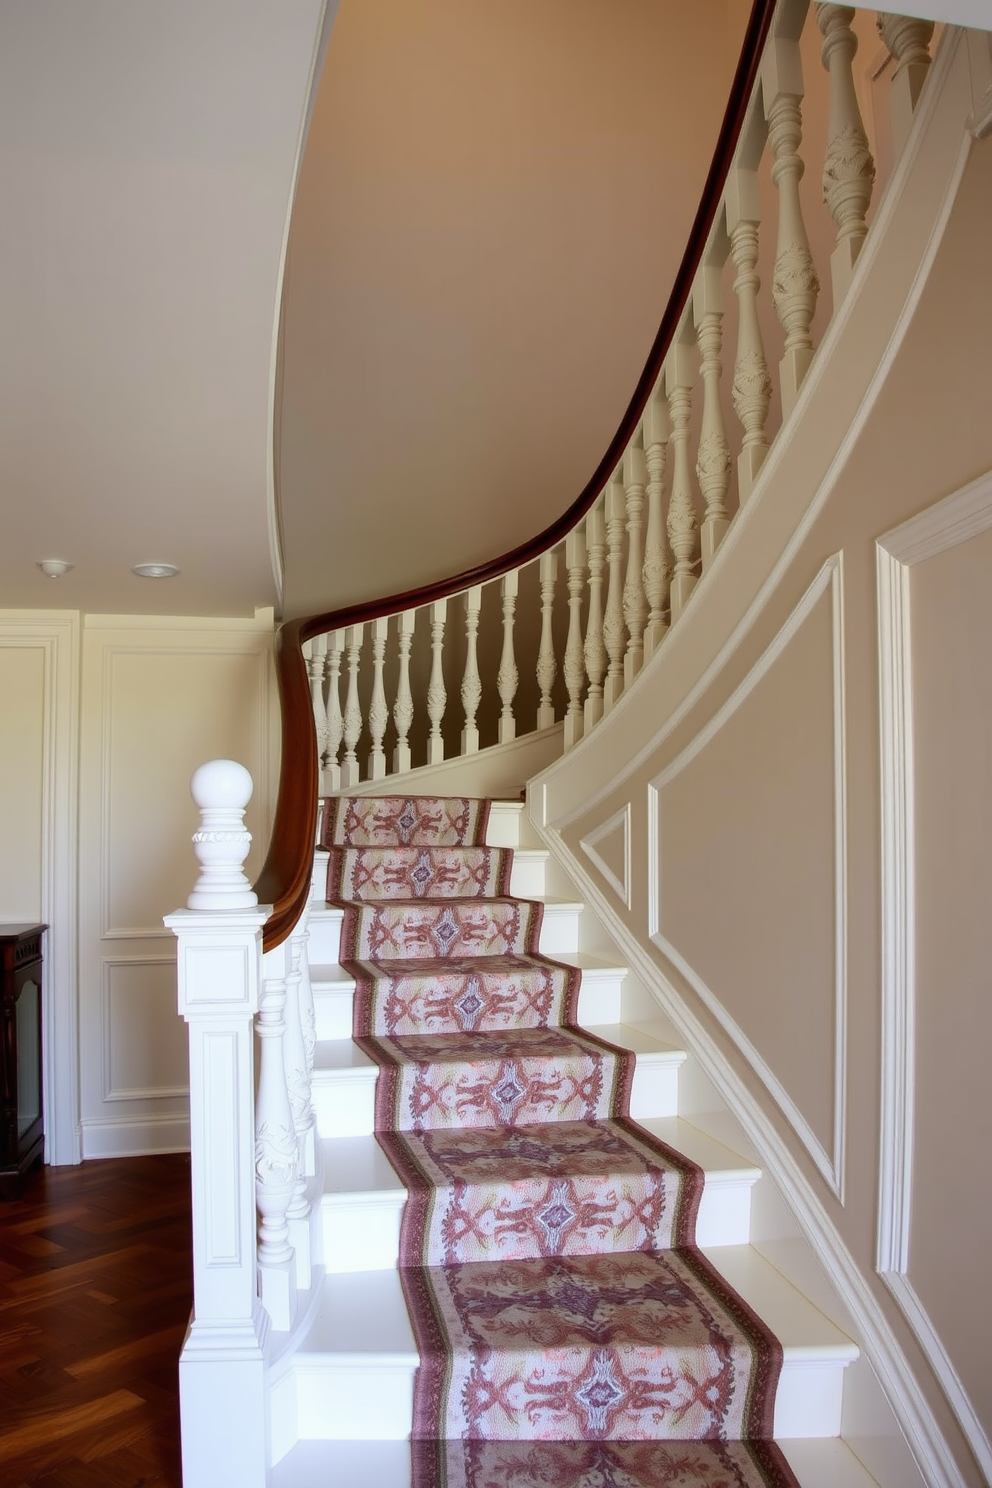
[(284, 881)]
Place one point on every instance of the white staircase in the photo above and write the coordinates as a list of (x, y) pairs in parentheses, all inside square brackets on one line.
[(341, 1391)]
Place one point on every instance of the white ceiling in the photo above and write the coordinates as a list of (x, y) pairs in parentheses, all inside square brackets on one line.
[(490, 209)]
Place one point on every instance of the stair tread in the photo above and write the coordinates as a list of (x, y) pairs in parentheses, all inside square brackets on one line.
[(643, 1043), (821, 1462), (364, 1313), (716, 1160)]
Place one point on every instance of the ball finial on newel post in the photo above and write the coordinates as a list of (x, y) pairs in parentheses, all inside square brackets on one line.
[(222, 790)]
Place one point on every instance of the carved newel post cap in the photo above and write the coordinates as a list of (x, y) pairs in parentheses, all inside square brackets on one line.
[(222, 790)]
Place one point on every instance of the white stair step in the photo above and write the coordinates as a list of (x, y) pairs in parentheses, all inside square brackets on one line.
[(352, 1376), (343, 1086), (599, 995), (810, 1391), (363, 1199), (818, 1463)]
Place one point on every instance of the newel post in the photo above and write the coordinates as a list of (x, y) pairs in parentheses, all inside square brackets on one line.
[(222, 1369)]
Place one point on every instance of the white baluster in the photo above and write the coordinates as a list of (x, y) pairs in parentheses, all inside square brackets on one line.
[(308, 1026), (546, 667), (848, 169), (613, 627), (350, 774), (909, 43), (713, 455), (508, 677), (593, 648), (275, 1145), (682, 522), (795, 285), (335, 722), (403, 707), (657, 569), (298, 1089), (471, 682), (635, 605), (378, 710), (575, 672), (222, 1368), (436, 696), (313, 652), (752, 390)]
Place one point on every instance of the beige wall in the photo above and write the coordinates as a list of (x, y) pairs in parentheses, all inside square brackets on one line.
[(139, 702), (780, 903)]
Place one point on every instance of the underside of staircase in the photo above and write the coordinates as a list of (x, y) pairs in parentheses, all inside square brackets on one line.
[(534, 1270)]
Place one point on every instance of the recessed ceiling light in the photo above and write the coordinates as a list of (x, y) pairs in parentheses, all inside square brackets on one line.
[(54, 567), (155, 570)]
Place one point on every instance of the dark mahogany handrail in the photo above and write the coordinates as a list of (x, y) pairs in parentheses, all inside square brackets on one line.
[(284, 881)]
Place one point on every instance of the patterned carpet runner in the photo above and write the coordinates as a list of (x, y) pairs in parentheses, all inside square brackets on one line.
[(570, 1332)]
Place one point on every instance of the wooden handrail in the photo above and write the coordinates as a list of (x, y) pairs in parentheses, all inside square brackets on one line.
[(284, 881)]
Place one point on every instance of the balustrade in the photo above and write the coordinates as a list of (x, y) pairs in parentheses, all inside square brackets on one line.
[(633, 563)]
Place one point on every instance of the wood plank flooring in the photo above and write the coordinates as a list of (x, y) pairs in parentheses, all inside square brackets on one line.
[(95, 1294)]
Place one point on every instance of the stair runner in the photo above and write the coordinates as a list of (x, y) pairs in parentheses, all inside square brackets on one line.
[(570, 1332)]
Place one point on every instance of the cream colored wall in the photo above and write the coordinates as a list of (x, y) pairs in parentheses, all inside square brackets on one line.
[(139, 702), (771, 895)]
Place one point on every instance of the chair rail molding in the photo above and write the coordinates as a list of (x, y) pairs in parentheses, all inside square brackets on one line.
[(948, 523)]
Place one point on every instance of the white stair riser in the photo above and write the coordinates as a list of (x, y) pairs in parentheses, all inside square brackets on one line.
[(344, 1100), (362, 1232), (348, 1397), (599, 1002)]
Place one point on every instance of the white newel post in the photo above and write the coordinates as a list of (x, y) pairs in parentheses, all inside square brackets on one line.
[(222, 1368)]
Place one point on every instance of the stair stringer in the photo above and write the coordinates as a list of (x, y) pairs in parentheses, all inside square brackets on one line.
[(886, 1422)]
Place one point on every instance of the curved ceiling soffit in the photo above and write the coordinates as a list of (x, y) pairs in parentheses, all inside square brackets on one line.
[(491, 212), (147, 159)]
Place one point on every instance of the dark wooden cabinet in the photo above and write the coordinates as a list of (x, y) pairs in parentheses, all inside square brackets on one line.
[(22, 1138)]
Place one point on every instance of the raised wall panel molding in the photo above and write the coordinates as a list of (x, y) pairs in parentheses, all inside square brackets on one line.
[(112, 1092), (871, 1325), (830, 1163), (964, 515), (57, 636), (618, 822)]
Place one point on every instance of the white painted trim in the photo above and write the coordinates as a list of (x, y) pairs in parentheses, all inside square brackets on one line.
[(57, 635), (145, 1092), (940, 74), (948, 523), (135, 1136), (875, 1333), (588, 845), (830, 1164)]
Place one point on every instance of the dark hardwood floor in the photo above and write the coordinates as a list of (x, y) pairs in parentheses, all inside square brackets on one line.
[(95, 1295)]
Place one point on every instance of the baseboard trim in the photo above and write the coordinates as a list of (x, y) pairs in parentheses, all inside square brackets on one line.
[(139, 1136)]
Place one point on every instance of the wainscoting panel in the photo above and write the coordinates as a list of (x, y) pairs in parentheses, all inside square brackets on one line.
[(935, 616), (608, 848), (752, 918), (159, 699)]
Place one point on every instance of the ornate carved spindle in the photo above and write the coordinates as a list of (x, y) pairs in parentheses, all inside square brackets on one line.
[(657, 568), (713, 455), (682, 522), (436, 696), (909, 43), (594, 649), (795, 285), (848, 169), (350, 773), (275, 1144), (308, 1027), (471, 681), (546, 667), (313, 651), (335, 722), (298, 1089), (378, 710), (613, 626), (752, 390), (635, 605), (403, 707), (575, 672), (508, 677)]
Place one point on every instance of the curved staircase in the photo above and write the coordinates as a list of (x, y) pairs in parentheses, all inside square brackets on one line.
[(538, 1210)]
